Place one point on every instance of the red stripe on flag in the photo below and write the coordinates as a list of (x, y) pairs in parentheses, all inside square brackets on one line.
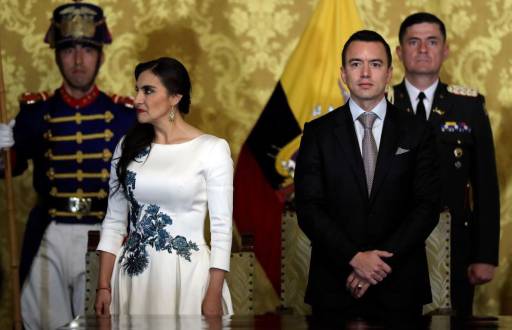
[(258, 211)]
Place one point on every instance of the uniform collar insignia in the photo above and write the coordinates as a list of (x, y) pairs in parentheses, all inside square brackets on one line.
[(438, 111), (82, 102)]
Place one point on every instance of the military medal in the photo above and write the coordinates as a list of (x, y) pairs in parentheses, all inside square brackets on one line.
[(455, 127), (458, 152)]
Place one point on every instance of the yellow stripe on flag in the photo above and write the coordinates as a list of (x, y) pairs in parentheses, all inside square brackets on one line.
[(311, 79)]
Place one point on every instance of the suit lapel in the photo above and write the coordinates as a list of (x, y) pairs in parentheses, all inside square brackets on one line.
[(345, 133), (388, 144)]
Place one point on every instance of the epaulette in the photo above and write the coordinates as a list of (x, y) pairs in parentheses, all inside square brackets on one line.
[(462, 90), (32, 98), (127, 101)]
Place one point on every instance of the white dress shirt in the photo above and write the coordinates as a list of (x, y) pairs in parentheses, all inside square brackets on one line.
[(379, 110), (427, 101)]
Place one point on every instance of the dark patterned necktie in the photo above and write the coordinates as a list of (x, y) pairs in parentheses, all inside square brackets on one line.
[(420, 108), (369, 147)]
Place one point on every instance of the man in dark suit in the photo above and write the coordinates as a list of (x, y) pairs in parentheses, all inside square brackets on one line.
[(465, 150), (366, 187)]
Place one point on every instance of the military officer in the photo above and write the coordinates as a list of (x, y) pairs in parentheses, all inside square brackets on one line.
[(466, 153), (70, 136)]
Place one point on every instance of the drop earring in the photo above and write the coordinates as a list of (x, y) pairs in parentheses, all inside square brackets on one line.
[(172, 114)]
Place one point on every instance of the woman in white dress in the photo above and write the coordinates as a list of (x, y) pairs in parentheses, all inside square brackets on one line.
[(165, 175)]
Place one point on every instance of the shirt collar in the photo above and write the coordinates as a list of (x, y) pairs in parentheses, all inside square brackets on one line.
[(379, 109), (414, 92)]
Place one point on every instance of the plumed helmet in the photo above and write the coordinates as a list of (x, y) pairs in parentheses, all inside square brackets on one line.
[(78, 22)]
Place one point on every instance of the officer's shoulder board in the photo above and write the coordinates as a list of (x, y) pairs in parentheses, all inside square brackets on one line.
[(33, 98), (462, 90), (127, 101)]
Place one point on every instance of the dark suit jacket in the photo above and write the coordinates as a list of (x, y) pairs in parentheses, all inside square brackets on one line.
[(336, 213)]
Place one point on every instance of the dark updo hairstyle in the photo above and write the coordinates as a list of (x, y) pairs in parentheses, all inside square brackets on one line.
[(174, 76)]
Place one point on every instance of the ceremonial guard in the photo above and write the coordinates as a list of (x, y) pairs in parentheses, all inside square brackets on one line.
[(70, 136), (470, 194)]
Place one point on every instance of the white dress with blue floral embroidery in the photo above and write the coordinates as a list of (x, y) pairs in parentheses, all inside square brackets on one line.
[(162, 261)]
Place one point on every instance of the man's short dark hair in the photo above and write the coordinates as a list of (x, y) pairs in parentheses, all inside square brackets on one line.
[(365, 36), (419, 18)]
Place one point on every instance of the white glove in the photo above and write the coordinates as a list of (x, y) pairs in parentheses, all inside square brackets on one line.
[(6, 136)]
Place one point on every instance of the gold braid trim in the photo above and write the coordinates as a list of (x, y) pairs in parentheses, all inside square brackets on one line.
[(79, 156), (79, 137), (79, 175), (79, 118), (79, 193)]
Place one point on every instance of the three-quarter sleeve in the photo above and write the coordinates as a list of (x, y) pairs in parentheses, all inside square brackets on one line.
[(114, 226), (219, 189)]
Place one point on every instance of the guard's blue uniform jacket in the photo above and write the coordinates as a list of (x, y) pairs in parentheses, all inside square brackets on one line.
[(71, 143)]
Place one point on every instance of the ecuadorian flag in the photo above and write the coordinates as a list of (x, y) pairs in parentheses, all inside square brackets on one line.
[(309, 87)]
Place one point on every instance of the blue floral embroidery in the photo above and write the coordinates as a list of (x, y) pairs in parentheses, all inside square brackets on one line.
[(149, 229), (135, 208), (182, 247), (130, 179)]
